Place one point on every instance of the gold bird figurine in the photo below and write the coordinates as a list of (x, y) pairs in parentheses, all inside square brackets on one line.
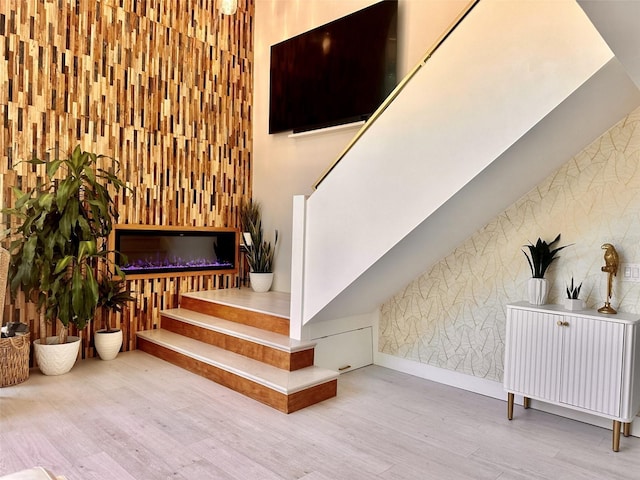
[(611, 264)]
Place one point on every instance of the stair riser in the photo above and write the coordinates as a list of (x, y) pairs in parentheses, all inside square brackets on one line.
[(264, 321), (272, 356), (279, 401)]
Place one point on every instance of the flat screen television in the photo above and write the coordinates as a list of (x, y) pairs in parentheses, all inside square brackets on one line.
[(334, 74)]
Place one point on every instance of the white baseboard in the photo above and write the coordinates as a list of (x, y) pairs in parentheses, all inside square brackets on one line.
[(489, 388)]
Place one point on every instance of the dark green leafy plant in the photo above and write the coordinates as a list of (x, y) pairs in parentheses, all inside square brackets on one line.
[(573, 292), (541, 256), (59, 248), (113, 295), (260, 253)]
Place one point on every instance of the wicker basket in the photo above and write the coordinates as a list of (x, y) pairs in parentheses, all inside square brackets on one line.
[(14, 360)]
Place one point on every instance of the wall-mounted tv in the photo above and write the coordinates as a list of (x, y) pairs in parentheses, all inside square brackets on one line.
[(334, 74)]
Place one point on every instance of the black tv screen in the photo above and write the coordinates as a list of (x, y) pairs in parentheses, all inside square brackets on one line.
[(334, 74)]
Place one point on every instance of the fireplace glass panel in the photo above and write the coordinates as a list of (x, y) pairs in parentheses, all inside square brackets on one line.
[(148, 252)]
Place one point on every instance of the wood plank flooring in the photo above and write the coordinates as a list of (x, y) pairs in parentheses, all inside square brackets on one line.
[(138, 417)]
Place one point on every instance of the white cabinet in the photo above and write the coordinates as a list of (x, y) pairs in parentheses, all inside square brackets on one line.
[(345, 351), (584, 360)]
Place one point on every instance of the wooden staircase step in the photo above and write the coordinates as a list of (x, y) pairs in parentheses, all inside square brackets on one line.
[(268, 310), (281, 389), (263, 345)]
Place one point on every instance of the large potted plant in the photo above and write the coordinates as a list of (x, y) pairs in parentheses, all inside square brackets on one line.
[(59, 249), (113, 296), (259, 252), (540, 257)]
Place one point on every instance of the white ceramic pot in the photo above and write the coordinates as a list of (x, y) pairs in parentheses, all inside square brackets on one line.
[(108, 344), (537, 290), (574, 304), (54, 358), (261, 282)]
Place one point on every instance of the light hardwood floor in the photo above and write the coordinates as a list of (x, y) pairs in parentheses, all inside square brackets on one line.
[(138, 417)]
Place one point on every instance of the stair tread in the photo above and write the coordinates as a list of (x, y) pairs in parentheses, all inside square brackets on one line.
[(283, 381), (271, 303), (239, 330)]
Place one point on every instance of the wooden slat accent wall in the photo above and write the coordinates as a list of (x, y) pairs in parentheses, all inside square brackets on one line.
[(164, 86)]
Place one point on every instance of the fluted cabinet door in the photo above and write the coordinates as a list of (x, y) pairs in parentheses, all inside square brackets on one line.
[(533, 354), (592, 363)]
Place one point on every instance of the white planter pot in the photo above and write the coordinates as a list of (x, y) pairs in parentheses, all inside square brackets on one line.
[(537, 290), (108, 343), (261, 282), (54, 358), (574, 304)]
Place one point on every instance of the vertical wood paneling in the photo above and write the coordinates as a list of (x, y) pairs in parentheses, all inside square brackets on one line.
[(164, 86)]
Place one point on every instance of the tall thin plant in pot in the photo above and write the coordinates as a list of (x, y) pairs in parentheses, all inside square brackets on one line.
[(260, 252), (541, 256), (59, 244)]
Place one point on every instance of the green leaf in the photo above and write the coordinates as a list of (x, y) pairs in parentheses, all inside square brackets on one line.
[(92, 290), (90, 175), (99, 207), (77, 291), (64, 227), (40, 221), (118, 270), (46, 200), (64, 192), (76, 157), (29, 250), (63, 264), (23, 198), (52, 167), (35, 161), (86, 248)]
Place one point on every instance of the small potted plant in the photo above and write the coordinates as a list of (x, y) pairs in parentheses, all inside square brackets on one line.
[(259, 252), (540, 257), (113, 296), (573, 302)]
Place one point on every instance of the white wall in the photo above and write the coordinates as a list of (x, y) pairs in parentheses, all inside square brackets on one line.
[(502, 72), (283, 166)]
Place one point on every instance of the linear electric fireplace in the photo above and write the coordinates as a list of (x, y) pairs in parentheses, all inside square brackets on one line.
[(164, 251)]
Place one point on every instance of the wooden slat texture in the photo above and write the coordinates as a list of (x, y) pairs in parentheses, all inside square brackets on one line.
[(280, 401), (278, 358), (265, 321), (163, 86)]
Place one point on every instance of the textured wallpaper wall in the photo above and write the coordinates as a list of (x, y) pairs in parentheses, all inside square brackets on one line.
[(453, 316)]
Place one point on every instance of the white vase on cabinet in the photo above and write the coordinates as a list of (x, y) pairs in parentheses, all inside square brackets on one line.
[(574, 304), (537, 291)]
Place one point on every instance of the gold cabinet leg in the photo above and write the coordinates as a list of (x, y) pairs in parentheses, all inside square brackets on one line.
[(525, 402), (616, 435), (510, 406), (626, 429)]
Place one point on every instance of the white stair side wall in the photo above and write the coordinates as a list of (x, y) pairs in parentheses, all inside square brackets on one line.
[(497, 76)]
